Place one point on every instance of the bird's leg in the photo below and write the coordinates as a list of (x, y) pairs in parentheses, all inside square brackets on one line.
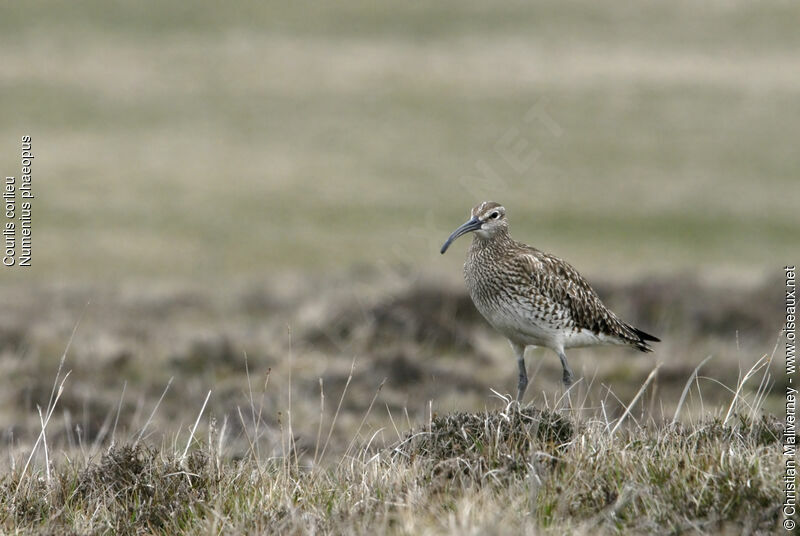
[(523, 379), (519, 351), (568, 377)]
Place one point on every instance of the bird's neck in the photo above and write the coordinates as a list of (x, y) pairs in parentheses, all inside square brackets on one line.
[(499, 240)]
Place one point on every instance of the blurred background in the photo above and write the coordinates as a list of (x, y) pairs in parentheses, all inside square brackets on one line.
[(275, 180)]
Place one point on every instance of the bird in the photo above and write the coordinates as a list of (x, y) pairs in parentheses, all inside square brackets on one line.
[(534, 298)]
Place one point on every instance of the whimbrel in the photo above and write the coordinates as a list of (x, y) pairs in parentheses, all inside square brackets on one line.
[(534, 298)]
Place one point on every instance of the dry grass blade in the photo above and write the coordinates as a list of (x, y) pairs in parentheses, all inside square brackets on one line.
[(55, 394), (292, 443), (363, 420), (338, 409), (321, 417), (256, 420), (391, 419), (686, 388), (153, 413), (635, 399), (39, 439), (194, 428), (246, 435), (763, 361), (44, 445), (765, 385), (119, 410)]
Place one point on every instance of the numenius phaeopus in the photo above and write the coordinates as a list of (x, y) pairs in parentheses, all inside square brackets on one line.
[(534, 298)]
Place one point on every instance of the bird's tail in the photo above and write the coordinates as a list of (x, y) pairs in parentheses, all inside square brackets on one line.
[(640, 343)]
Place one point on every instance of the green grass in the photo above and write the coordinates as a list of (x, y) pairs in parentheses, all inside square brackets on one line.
[(210, 143)]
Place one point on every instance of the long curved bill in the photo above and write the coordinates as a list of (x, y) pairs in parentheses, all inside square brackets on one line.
[(472, 225)]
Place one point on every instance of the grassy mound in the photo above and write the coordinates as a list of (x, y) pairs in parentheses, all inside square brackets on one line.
[(494, 445)]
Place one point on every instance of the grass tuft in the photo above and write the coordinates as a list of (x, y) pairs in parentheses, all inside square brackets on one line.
[(138, 488)]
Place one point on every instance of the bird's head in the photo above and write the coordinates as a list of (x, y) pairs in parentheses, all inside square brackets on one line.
[(486, 220)]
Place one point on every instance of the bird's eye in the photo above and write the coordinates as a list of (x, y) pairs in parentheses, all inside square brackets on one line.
[(494, 215)]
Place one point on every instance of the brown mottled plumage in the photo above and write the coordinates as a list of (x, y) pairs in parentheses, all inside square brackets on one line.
[(534, 298)]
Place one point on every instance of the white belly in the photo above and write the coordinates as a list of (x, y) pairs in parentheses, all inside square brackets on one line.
[(529, 328), (521, 325)]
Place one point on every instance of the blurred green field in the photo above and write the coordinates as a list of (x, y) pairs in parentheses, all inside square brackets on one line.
[(199, 142)]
